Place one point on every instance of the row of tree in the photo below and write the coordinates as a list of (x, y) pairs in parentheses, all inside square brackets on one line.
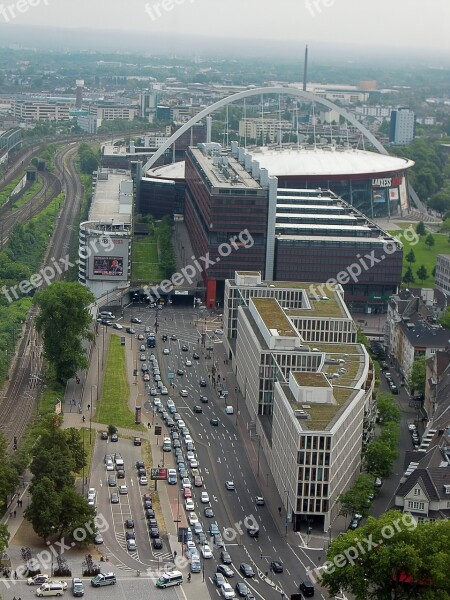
[(166, 251), (88, 159)]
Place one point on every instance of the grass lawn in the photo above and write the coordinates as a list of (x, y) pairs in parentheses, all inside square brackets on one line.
[(49, 396), (424, 256), (145, 260), (112, 408), (88, 448)]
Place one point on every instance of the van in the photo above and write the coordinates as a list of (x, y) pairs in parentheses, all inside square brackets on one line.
[(170, 578), (229, 410), (50, 589), (77, 587), (196, 566), (167, 445), (103, 579), (105, 314), (172, 477)]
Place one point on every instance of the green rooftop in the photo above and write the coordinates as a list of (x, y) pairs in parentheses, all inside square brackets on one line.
[(274, 317)]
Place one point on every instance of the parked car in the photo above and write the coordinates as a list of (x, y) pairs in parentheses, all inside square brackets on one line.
[(356, 520)]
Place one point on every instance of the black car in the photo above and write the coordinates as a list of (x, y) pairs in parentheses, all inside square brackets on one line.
[(208, 512), (197, 409), (130, 330), (184, 348), (225, 570), (104, 435), (137, 441), (164, 337), (242, 589), (140, 464), (204, 399), (253, 531), (180, 372), (203, 382), (154, 532), (120, 474), (276, 566), (148, 504), (225, 557), (149, 513), (130, 535), (196, 355), (129, 524), (142, 473), (246, 570), (307, 589), (114, 437), (214, 422), (157, 543)]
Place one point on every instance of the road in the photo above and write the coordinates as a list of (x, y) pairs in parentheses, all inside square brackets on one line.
[(222, 456)]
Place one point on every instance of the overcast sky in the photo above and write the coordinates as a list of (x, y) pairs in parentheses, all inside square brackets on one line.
[(404, 23)]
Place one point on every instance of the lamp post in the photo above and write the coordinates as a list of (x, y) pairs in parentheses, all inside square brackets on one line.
[(259, 449), (287, 509), (90, 412)]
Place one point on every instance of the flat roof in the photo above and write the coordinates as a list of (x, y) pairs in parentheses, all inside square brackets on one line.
[(345, 217), (319, 161), (305, 378), (274, 317), (217, 176), (106, 205), (333, 238)]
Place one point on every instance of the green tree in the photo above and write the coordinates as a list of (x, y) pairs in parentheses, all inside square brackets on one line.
[(422, 272), (420, 228), (388, 410), (75, 513), (429, 241), (75, 444), (44, 508), (111, 430), (64, 322), (354, 500), (8, 475), (379, 457), (408, 277), (4, 538), (445, 319), (416, 381), (411, 257), (400, 545)]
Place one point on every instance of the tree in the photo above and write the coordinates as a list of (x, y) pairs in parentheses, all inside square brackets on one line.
[(411, 257), (445, 319), (380, 457), (408, 277), (399, 545), (44, 508), (429, 241), (75, 513), (354, 500), (422, 273), (75, 444), (4, 538), (112, 429), (416, 381), (64, 322), (420, 228), (388, 410)]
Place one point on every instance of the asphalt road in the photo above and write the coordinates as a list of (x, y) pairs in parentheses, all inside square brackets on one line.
[(221, 455)]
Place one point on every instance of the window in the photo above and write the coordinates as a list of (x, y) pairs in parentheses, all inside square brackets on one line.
[(417, 491), (416, 505)]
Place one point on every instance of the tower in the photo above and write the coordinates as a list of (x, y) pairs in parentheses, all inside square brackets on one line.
[(79, 94)]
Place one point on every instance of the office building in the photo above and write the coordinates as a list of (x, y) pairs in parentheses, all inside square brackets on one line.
[(442, 277), (402, 126)]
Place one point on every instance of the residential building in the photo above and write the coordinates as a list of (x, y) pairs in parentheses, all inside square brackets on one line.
[(442, 277), (265, 131), (307, 385), (402, 126), (436, 404)]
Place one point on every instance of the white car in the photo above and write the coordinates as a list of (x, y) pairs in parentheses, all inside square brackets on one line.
[(117, 326), (187, 438), (206, 551), (184, 393), (164, 390), (218, 331), (190, 547), (143, 480), (192, 518), (181, 423), (123, 489), (186, 482), (166, 351), (204, 498), (193, 463), (188, 363), (91, 493), (189, 504), (109, 465), (227, 591), (190, 455)]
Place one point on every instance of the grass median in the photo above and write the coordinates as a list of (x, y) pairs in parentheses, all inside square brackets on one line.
[(112, 408)]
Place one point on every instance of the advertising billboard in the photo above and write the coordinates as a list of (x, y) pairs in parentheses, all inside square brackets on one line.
[(108, 262)]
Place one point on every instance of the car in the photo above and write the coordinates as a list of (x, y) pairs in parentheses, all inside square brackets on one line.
[(187, 493), (190, 447), (184, 393), (148, 504), (143, 480), (225, 570), (147, 497), (154, 532), (130, 535), (198, 528), (276, 566), (242, 589), (130, 330), (166, 351), (190, 455), (202, 539), (37, 579), (135, 320), (173, 337), (378, 482), (196, 356), (117, 326), (213, 528), (204, 399), (157, 543), (164, 337), (354, 523), (114, 437), (180, 372), (185, 347), (198, 481), (154, 392), (164, 390), (230, 485), (112, 481), (203, 382), (146, 377), (114, 498), (192, 518), (181, 467), (144, 367), (246, 570), (225, 557), (206, 551), (142, 472), (307, 589), (123, 490), (218, 540), (110, 465), (152, 523), (214, 422), (197, 409), (208, 512), (259, 501), (227, 591), (129, 524), (131, 545), (188, 363), (219, 579), (140, 464), (186, 482), (253, 531), (142, 357), (412, 427), (204, 498), (91, 493), (218, 331), (137, 441), (104, 435), (189, 504), (142, 348), (141, 337), (193, 463)]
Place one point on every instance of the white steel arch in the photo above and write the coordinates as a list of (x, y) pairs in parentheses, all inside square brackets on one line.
[(258, 92)]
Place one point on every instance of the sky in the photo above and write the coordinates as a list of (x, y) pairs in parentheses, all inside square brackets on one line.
[(397, 23)]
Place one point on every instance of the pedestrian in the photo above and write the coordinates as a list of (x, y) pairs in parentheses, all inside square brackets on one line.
[(15, 514), (174, 553), (15, 574)]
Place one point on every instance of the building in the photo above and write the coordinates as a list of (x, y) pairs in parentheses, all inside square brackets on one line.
[(402, 126), (41, 109), (79, 93), (266, 131), (148, 102), (442, 278), (104, 246), (412, 329), (436, 406), (307, 385), (110, 111)]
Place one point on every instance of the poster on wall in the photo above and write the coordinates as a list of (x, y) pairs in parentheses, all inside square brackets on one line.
[(108, 266)]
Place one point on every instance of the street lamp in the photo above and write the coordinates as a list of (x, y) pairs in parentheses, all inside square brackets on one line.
[(90, 412), (287, 509)]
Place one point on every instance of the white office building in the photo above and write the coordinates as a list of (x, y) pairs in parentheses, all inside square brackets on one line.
[(402, 126)]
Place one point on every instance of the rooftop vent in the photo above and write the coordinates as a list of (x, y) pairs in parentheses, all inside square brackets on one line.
[(300, 414)]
